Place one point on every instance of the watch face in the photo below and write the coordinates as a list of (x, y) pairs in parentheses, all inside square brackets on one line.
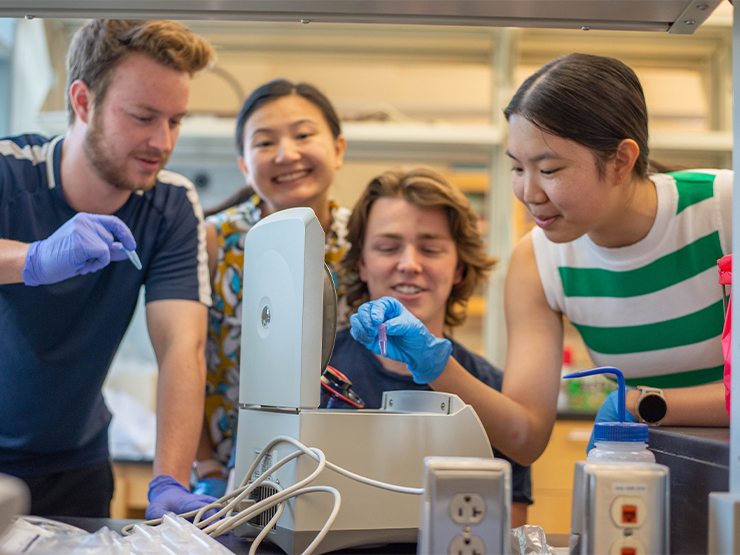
[(652, 408)]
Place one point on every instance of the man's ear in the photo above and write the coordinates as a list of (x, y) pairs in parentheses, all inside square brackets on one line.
[(459, 273), (627, 154), (82, 101)]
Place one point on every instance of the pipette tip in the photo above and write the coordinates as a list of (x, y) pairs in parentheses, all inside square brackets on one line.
[(133, 257)]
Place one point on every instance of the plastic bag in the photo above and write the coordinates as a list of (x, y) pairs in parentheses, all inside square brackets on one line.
[(27, 533), (725, 278), (30, 535), (531, 540)]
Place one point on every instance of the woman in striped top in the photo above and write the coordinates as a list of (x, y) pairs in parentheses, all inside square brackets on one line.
[(628, 256)]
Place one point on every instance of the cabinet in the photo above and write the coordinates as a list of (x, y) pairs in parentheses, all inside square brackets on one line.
[(131, 486), (552, 475)]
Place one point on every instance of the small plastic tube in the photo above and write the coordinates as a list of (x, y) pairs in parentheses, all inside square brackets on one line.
[(133, 257), (382, 340)]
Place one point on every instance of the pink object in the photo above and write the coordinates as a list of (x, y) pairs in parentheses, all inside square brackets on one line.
[(725, 278), (725, 270), (567, 355), (382, 340)]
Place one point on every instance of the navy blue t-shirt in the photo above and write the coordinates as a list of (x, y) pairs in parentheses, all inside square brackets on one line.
[(58, 341), (369, 380)]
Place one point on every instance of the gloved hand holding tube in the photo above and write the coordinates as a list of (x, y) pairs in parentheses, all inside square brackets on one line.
[(85, 243), (409, 340)]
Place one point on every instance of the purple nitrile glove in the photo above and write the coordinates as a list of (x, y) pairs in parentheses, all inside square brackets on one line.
[(167, 495), (409, 340), (85, 243)]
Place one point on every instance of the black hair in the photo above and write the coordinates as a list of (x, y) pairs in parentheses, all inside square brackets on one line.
[(595, 101), (262, 95), (277, 89)]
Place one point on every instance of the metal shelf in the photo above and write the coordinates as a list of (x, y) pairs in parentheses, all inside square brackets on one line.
[(211, 139), (712, 141), (673, 16), (208, 139)]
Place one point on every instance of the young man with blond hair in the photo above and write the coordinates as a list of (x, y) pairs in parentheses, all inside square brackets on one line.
[(70, 207)]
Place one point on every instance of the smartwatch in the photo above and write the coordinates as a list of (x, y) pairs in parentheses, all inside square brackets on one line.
[(650, 407)]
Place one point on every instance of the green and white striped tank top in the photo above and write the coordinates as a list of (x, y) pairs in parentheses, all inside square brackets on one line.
[(652, 309)]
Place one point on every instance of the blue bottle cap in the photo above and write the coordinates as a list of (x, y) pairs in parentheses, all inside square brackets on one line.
[(621, 430)]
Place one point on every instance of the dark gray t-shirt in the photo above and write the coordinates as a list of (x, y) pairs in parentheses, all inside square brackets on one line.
[(57, 341)]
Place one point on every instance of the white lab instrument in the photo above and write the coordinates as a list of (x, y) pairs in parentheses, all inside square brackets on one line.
[(283, 315), (620, 508)]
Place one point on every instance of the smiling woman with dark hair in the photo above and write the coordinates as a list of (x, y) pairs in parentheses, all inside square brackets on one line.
[(289, 146)]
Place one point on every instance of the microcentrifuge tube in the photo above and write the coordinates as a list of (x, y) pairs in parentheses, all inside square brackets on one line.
[(133, 257), (382, 339)]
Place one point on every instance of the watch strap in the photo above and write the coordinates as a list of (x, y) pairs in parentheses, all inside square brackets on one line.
[(208, 466)]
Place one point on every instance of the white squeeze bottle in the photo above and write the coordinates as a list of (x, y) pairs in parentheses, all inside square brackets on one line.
[(617, 441)]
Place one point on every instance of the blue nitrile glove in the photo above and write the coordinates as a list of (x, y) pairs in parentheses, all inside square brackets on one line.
[(215, 487), (167, 495), (409, 340), (608, 413), (85, 243)]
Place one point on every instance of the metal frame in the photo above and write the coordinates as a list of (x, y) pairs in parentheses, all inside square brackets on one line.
[(673, 16)]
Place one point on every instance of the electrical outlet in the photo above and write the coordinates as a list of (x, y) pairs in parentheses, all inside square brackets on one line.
[(621, 508), (467, 545), (465, 507)]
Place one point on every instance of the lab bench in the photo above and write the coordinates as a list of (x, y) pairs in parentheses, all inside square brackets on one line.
[(698, 459), (699, 463), (230, 541), (241, 545)]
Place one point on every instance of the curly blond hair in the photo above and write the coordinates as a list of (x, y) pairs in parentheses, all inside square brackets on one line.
[(425, 188)]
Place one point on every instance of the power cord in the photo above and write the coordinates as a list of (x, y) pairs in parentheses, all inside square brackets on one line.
[(228, 516)]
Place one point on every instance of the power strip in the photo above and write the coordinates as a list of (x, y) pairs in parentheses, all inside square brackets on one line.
[(465, 507)]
